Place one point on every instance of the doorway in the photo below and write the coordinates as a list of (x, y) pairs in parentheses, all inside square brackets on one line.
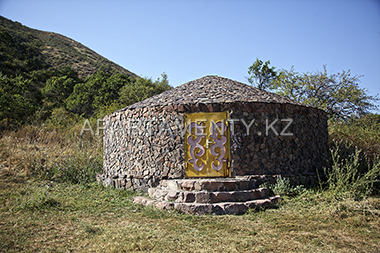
[(207, 144)]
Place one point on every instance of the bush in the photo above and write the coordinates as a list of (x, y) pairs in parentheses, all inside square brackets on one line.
[(17, 102), (362, 132), (352, 174), (76, 171), (284, 187), (60, 118)]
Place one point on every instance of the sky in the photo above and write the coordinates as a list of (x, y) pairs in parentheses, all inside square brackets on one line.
[(191, 39)]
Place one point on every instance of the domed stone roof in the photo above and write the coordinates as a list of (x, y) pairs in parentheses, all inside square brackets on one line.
[(212, 89)]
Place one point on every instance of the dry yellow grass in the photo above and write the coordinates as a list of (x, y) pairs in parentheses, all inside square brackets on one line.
[(32, 150)]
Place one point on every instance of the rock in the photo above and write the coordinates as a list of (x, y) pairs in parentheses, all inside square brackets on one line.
[(233, 208), (163, 205), (171, 185), (210, 185), (222, 197), (151, 192), (208, 201), (199, 209), (140, 200), (188, 197), (159, 194), (172, 195), (202, 197), (188, 185)]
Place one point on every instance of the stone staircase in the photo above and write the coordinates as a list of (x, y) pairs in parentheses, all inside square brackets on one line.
[(208, 196)]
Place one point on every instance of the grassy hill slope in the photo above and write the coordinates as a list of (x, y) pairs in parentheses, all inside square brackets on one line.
[(58, 51)]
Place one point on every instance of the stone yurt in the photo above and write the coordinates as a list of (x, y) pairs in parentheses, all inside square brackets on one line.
[(212, 128)]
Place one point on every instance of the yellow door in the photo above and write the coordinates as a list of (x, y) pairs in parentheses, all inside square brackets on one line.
[(207, 145)]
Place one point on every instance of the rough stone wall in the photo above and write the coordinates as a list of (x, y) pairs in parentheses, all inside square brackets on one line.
[(144, 145), (283, 139)]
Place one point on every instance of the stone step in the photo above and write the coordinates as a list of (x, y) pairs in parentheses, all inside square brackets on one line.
[(216, 208), (182, 196), (209, 184)]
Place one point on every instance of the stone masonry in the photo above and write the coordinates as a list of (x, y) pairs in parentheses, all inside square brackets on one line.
[(270, 134), (208, 196)]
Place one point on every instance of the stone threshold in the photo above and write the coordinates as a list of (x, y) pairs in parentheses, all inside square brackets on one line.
[(208, 184)]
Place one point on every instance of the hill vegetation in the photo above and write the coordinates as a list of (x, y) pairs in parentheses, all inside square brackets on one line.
[(25, 49)]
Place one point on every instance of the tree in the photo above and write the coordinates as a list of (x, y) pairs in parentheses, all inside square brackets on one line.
[(17, 103), (84, 94), (338, 94), (261, 75), (103, 90), (58, 89), (109, 91), (142, 89)]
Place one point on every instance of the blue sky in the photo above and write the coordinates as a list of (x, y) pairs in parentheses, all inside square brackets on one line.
[(191, 39)]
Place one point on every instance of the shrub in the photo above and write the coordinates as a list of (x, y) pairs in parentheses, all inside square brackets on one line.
[(284, 187), (362, 132), (352, 174), (76, 171)]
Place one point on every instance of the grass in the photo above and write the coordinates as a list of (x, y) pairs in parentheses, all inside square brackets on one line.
[(42, 209), (48, 152), (45, 216)]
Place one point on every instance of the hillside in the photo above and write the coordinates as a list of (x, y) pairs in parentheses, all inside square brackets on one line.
[(43, 74), (50, 49)]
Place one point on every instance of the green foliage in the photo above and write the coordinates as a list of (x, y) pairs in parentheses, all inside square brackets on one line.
[(99, 90), (346, 174), (60, 118), (23, 50), (363, 132), (283, 187), (107, 109), (80, 101), (58, 89), (261, 75), (102, 91), (338, 94), (109, 91), (17, 103), (45, 70), (76, 171), (142, 89), (370, 122), (84, 94), (19, 54), (355, 151)]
